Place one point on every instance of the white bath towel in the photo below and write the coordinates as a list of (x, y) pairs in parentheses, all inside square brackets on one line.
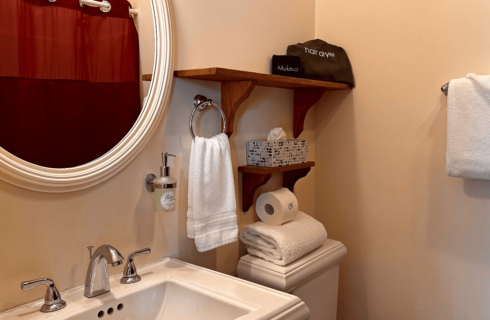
[(211, 215), (285, 243), (468, 128)]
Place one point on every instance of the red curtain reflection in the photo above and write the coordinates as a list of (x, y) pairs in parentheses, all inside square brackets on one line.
[(69, 80)]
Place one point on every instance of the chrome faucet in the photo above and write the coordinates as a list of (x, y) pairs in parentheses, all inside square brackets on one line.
[(97, 280)]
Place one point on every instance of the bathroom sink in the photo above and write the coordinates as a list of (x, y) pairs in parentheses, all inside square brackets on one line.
[(168, 300), (172, 289)]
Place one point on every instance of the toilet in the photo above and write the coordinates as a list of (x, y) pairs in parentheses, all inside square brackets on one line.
[(314, 278)]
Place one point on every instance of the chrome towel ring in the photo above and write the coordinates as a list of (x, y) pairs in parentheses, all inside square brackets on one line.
[(200, 104)]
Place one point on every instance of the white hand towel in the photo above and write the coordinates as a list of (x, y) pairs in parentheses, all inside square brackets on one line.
[(468, 128), (286, 243), (211, 215)]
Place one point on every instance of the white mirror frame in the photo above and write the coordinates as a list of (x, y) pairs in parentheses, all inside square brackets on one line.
[(30, 176)]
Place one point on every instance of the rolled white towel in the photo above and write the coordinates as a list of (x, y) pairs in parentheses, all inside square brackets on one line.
[(286, 243)]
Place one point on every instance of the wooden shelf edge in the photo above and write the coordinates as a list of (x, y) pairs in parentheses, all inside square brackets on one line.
[(263, 79), (269, 170)]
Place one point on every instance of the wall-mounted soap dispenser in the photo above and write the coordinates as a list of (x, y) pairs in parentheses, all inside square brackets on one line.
[(164, 186)]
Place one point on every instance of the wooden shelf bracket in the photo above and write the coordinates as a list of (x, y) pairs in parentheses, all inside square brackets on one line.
[(255, 177), (233, 93), (290, 178), (250, 183), (304, 99)]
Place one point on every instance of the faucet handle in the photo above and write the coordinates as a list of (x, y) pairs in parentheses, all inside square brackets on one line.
[(140, 252), (130, 275), (52, 299)]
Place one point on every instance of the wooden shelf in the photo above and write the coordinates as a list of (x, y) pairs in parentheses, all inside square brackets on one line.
[(262, 79), (270, 170), (255, 177), (237, 85)]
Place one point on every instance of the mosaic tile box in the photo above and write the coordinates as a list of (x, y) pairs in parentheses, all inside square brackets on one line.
[(276, 153)]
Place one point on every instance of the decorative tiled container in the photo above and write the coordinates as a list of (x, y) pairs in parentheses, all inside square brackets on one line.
[(276, 153)]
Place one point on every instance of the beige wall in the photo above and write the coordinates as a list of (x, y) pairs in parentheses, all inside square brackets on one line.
[(418, 241), (45, 235)]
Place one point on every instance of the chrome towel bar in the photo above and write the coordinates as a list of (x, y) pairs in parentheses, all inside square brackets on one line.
[(104, 5), (200, 104), (445, 89)]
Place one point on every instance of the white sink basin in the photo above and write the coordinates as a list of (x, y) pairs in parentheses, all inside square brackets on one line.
[(168, 300), (172, 289)]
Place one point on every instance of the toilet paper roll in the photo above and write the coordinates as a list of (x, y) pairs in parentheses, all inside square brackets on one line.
[(277, 207)]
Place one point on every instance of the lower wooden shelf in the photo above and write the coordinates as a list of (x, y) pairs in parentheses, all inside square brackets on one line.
[(255, 177)]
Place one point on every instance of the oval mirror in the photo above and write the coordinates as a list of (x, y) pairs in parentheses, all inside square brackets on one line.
[(71, 94)]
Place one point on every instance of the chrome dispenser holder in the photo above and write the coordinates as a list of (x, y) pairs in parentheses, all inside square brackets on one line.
[(152, 181)]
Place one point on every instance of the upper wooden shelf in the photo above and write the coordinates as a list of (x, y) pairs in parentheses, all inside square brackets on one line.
[(236, 86), (262, 79)]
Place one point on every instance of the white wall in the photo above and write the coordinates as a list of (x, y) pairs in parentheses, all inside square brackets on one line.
[(45, 235)]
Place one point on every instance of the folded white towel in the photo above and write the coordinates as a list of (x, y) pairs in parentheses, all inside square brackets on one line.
[(211, 216), (468, 128), (285, 243)]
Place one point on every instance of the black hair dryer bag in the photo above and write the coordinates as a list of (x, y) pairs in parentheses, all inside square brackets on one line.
[(323, 61)]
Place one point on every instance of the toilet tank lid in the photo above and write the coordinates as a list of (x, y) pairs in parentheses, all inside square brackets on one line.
[(325, 256)]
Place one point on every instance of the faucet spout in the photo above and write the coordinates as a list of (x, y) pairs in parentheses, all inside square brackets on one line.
[(97, 279)]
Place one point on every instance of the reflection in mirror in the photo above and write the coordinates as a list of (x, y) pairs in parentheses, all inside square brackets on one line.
[(69, 80)]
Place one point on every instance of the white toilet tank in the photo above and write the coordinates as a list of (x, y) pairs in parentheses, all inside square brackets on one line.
[(314, 278)]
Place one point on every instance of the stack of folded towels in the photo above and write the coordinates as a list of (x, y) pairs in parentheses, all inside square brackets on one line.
[(284, 234)]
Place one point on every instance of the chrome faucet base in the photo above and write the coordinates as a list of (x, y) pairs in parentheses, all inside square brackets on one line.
[(53, 307), (93, 294), (130, 280), (97, 279)]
